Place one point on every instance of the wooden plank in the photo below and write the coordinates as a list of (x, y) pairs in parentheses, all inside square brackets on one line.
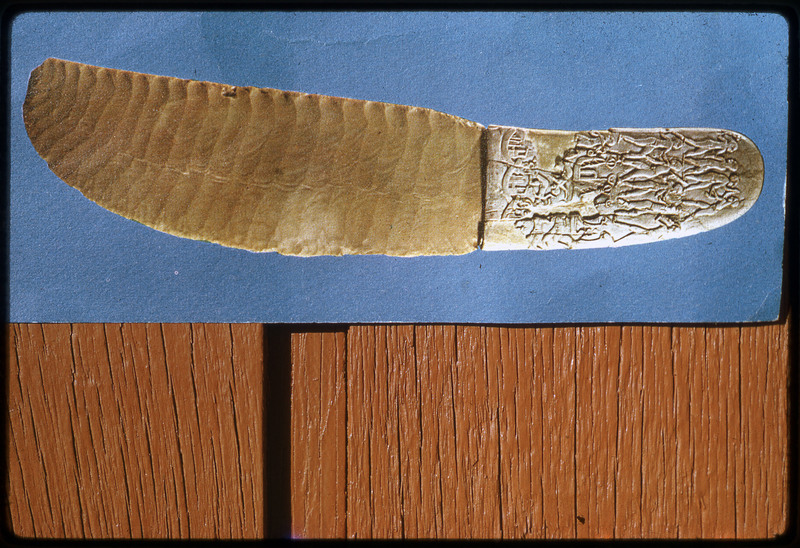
[(629, 439), (318, 435), (377, 448), (478, 420), (134, 431), (691, 463), (596, 430), (658, 491), (536, 408), (591, 432), (764, 408), (411, 395), (123, 431)]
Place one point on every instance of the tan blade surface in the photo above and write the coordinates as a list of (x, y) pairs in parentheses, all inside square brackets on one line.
[(260, 169)]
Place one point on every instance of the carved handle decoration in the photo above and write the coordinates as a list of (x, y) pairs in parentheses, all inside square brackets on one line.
[(556, 189)]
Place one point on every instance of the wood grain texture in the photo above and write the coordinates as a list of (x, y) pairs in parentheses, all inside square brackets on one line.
[(575, 432), (135, 431), (259, 168), (319, 438), (127, 431)]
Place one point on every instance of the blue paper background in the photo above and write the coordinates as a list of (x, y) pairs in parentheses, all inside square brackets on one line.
[(72, 261)]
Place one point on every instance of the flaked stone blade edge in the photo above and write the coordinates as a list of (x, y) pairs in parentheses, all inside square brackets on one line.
[(259, 168)]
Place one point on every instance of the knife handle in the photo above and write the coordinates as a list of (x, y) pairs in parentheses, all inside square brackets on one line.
[(549, 189)]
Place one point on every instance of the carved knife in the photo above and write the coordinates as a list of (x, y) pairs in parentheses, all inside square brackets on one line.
[(302, 174)]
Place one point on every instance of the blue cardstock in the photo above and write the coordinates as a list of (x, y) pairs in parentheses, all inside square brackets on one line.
[(73, 261)]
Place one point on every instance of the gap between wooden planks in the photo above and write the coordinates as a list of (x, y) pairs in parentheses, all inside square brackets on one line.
[(120, 431)]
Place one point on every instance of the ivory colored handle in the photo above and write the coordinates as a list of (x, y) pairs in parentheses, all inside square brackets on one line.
[(257, 168)]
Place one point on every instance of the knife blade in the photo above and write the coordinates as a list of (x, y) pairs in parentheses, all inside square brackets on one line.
[(303, 174)]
